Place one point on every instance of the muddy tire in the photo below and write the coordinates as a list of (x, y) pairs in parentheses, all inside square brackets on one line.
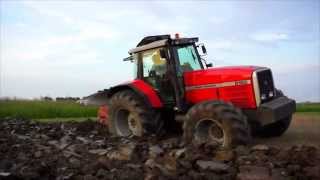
[(216, 122), (130, 116)]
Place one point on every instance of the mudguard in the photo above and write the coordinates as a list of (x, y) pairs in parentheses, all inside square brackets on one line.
[(143, 89), (138, 86)]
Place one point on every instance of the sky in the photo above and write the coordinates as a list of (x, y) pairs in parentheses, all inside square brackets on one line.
[(74, 48)]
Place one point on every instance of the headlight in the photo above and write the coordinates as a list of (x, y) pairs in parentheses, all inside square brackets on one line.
[(271, 94), (263, 97)]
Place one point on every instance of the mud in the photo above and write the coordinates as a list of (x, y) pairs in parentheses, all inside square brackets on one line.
[(304, 130), (30, 150)]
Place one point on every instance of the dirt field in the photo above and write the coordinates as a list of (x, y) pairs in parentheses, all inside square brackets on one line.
[(304, 129), (85, 150)]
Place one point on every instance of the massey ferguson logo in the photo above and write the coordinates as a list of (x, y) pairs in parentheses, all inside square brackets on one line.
[(242, 82), (219, 85)]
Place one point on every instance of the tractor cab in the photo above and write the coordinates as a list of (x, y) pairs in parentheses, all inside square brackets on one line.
[(161, 62)]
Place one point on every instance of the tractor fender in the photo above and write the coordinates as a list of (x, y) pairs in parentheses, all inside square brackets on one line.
[(143, 89)]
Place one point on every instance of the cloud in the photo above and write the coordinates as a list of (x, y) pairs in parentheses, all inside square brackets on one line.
[(216, 20), (229, 44), (284, 69), (93, 31), (299, 82), (221, 45), (269, 37)]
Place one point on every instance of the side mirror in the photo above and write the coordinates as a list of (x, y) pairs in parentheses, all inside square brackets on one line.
[(163, 54), (130, 58), (204, 50), (209, 65)]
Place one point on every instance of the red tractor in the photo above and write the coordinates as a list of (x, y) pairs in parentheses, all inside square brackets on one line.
[(173, 83)]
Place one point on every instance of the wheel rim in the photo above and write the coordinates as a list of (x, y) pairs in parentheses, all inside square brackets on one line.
[(121, 123), (209, 130), (134, 125), (126, 124)]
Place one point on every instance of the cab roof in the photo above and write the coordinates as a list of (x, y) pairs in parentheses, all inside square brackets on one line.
[(151, 42)]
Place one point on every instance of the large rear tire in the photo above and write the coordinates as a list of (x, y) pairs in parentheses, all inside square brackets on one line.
[(130, 116), (216, 122)]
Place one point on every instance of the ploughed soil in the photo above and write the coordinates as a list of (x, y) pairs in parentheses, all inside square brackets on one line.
[(85, 150)]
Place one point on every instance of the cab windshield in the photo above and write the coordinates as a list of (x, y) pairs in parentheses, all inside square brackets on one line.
[(188, 58)]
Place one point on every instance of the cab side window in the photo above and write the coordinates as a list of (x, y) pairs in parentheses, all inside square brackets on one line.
[(153, 64), (188, 58), (154, 67)]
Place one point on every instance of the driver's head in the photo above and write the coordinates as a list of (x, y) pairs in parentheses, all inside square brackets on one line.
[(157, 60)]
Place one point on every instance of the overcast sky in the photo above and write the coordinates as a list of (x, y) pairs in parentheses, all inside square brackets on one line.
[(76, 48)]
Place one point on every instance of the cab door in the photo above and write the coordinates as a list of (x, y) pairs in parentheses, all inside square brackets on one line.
[(155, 73)]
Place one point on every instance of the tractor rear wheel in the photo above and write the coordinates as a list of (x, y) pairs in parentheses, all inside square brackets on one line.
[(130, 116), (216, 122)]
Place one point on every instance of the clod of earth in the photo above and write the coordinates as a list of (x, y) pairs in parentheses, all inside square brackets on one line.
[(212, 165), (155, 150), (253, 173), (260, 147), (98, 151), (123, 152)]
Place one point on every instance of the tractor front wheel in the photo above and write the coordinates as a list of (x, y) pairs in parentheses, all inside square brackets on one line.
[(216, 122), (130, 116), (275, 129)]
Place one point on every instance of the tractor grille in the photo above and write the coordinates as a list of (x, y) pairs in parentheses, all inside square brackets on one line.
[(266, 86)]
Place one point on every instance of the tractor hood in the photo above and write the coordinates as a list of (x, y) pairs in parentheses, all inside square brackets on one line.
[(219, 75)]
